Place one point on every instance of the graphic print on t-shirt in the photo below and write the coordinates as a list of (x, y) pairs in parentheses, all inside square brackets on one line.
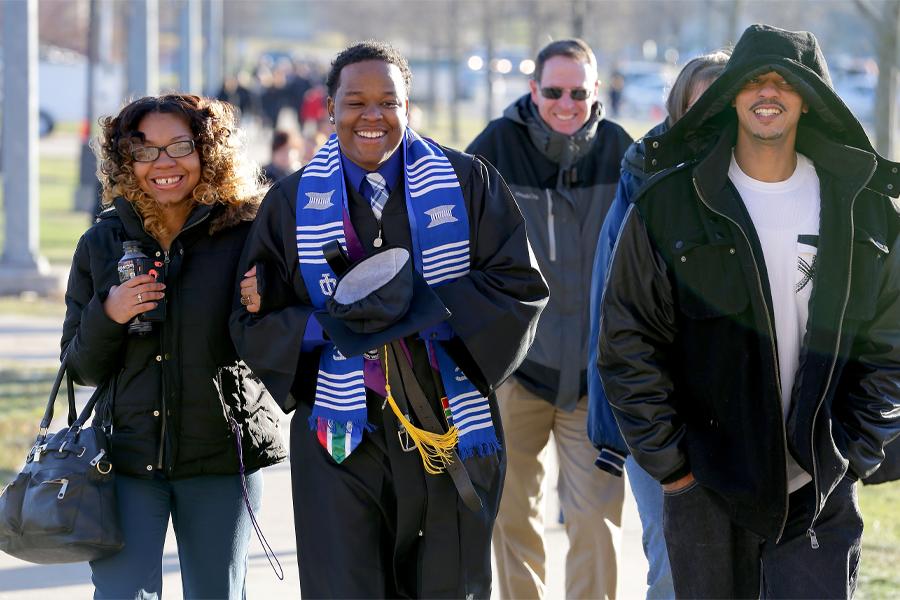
[(807, 250)]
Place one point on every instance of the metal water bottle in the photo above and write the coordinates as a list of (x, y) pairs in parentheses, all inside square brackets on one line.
[(131, 265)]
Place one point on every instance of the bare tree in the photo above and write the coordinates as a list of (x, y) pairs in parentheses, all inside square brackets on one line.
[(886, 28)]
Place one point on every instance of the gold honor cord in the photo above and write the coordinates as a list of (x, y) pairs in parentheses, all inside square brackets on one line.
[(436, 448)]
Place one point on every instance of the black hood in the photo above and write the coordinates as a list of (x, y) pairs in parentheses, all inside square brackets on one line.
[(796, 56)]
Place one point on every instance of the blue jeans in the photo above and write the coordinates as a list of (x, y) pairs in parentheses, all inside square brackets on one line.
[(211, 525), (648, 495)]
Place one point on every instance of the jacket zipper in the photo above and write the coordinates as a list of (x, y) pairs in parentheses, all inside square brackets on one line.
[(551, 230), (165, 411), (762, 295), (813, 540)]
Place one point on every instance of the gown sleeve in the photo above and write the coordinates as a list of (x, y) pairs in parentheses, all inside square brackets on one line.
[(495, 307), (270, 341)]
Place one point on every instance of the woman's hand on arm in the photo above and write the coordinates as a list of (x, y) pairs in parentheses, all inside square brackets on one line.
[(136, 296), (250, 296)]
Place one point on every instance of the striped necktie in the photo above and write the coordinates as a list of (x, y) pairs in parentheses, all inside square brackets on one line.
[(379, 195)]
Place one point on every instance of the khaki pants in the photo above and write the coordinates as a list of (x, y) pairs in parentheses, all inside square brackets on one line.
[(591, 501)]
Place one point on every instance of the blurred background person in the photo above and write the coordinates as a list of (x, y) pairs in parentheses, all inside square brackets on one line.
[(287, 150), (690, 84)]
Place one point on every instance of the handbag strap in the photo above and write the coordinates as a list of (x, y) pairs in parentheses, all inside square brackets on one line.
[(267, 548), (75, 420)]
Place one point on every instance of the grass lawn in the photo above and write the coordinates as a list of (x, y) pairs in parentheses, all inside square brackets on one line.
[(59, 224), (23, 394), (879, 574)]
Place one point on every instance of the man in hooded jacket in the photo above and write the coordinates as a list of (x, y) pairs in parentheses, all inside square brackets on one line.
[(561, 160), (750, 330)]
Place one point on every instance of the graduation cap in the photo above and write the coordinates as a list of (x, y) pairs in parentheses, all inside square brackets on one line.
[(378, 299)]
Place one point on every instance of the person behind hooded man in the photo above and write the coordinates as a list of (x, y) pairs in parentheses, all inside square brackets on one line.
[(750, 327), (560, 157), (186, 416), (603, 431), (395, 488)]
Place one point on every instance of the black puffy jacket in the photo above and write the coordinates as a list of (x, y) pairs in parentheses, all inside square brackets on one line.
[(172, 391)]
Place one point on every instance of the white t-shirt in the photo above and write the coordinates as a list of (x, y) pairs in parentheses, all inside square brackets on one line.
[(786, 218)]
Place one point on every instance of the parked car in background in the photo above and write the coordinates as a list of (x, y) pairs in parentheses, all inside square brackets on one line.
[(856, 81), (646, 85)]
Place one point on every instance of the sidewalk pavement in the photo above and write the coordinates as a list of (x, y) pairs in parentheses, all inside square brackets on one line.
[(36, 341)]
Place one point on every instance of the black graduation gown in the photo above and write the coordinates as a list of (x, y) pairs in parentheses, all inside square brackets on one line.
[(377, 525)]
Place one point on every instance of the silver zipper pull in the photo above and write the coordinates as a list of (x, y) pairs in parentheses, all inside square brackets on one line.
[(62, 490), (813, 540), (98, 458)]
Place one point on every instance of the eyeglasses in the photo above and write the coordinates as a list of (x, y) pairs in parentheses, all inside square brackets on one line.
[(555, 93), (174, 150)]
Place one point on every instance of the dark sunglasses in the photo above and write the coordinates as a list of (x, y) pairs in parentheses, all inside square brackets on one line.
[(555, 93), (174, 150)]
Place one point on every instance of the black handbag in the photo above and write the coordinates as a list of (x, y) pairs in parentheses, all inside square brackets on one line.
[(61, 507)]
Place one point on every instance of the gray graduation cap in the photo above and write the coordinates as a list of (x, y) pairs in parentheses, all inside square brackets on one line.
[(379, 299)]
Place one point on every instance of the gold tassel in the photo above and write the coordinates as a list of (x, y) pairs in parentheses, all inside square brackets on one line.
[(436, 449)]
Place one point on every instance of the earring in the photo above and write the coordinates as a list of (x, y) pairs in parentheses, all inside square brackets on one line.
[(331, 119)]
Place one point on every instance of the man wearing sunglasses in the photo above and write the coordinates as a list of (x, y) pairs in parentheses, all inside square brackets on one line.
[(561, 160)]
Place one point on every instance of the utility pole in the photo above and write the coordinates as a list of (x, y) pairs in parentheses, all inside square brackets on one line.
[(189, 47), (454, 72), (579, 12), (214, 32), (143, 49), (86, 193), (22, 268), (489, 58)]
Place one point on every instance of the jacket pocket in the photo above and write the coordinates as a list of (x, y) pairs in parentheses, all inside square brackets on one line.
[(708, 279), (869, 256)]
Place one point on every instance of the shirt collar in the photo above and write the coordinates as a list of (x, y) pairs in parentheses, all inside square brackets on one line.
[(389, 169)]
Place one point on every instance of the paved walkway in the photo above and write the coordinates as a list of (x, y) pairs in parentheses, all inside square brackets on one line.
[(32, 340)]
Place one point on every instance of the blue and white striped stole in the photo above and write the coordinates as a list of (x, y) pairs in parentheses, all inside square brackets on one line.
[(440, 238)]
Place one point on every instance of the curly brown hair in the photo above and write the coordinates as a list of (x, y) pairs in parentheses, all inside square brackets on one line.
[(227, 176)]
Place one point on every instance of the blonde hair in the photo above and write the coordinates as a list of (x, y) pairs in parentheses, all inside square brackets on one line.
[(227, 176), (702, 69)]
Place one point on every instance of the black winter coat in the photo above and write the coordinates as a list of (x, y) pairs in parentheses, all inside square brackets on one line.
[(688, 354), (170, 393), (687, 348), (564, 200)]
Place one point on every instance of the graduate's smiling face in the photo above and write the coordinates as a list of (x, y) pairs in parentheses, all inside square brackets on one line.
[(370, 109)]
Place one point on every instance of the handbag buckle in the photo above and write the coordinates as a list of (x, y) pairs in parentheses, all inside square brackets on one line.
[(37, 450)]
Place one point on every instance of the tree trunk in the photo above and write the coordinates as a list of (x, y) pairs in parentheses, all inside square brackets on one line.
[(886, 121)]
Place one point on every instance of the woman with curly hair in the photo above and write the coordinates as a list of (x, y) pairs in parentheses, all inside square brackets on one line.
[(187, 418)]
